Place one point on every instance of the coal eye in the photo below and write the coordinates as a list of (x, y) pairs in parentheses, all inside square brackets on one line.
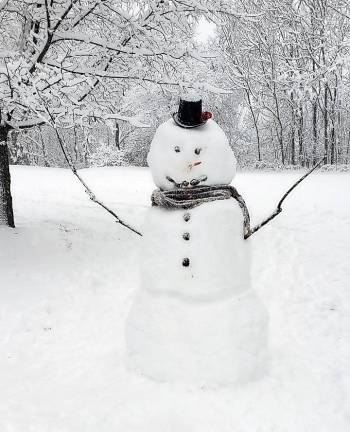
[(177, 149), (198, 150)]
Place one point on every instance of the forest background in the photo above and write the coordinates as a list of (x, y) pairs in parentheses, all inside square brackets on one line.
[(86, 82)]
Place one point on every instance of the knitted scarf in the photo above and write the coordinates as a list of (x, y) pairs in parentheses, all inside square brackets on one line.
[(195, 196)]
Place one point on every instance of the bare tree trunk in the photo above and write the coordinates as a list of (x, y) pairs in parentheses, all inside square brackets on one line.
[(76, 152), (292, 138), (333, 97), (332, 137), (6, 210), (323, 10), (292, 143), (280, 139), (117, 136), (301, 136), (314, 132), (280, 126), (347, 149), (43, 149), (255, 121), (325, 114)]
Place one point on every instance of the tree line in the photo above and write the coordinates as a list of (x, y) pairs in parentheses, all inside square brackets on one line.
[(292, 66), (276, 77)]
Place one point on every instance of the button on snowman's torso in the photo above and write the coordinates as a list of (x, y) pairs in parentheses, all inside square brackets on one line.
[(195, 317)]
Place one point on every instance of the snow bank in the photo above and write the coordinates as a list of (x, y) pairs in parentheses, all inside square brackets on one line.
[(68, 277)]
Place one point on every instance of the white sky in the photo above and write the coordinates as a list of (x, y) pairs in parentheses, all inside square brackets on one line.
[(205, 30)]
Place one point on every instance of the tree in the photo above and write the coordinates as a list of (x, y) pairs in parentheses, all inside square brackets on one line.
[(291, 65), (68, 61)]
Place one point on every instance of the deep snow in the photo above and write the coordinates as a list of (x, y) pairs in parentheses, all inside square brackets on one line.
[(68, 274)]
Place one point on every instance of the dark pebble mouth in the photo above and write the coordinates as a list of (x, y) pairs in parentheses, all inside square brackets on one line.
[(186, 184)]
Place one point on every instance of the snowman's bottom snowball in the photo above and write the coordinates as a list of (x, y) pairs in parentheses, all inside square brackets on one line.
[(214, 343)]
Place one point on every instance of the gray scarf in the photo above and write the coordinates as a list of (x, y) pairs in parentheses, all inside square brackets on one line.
[(195, 196)]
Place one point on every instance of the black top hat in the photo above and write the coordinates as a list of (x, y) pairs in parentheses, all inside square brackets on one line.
[(190, 114)]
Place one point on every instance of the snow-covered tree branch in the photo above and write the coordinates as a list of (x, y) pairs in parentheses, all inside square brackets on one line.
[(79, 57)]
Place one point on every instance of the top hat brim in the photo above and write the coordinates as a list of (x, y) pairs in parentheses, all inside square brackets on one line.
[(183, 125)]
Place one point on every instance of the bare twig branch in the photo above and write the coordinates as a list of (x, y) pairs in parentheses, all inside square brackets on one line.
[(279, 205), (88, 191), (111, 75), (48, 20), (87, 12), (103, 43), (64, 14)]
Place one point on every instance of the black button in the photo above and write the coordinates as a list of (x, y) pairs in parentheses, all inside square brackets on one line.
[(184, 183), (185, 262), (186, 236), (187, 217)]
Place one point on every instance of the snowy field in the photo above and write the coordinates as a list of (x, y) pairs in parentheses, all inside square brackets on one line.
[(68, 274)]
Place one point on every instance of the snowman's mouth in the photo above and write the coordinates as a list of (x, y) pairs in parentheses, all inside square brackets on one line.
[(185, 184)]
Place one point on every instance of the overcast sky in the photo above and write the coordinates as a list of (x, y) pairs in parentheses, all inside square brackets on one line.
[(205, 30)]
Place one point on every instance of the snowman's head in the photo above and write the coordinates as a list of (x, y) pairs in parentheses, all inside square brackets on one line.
[(181, 157)]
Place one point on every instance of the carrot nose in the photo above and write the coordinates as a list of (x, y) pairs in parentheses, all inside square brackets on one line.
[(192, 165)]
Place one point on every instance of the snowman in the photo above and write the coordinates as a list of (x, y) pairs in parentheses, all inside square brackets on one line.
[(195, 318)]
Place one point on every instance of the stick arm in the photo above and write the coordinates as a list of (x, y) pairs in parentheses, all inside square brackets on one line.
[(278, 209)]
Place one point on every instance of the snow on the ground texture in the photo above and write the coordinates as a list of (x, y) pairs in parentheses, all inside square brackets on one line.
[(68, 274)]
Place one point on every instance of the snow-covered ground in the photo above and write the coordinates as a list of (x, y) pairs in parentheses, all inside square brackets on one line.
[(68, 274)]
